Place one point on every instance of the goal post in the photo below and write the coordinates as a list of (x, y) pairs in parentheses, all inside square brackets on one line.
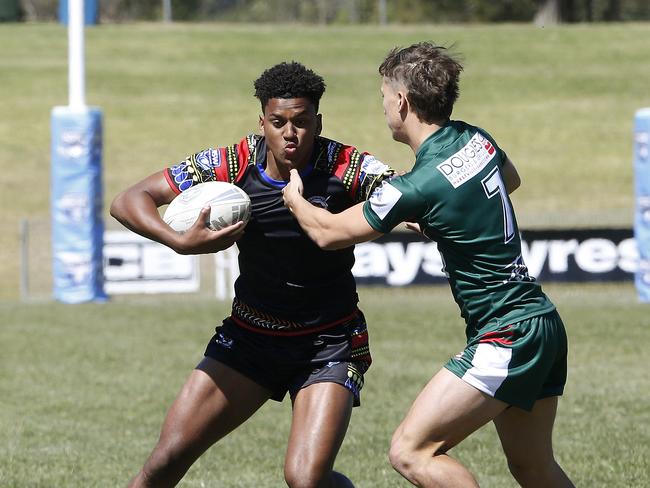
[(642, 194), (76, 196)]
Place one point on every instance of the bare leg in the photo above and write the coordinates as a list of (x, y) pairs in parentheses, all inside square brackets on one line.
[(444, 413), (214, 400), (321, 414), (526, 438)]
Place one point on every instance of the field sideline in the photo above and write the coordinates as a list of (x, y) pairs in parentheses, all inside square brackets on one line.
[(559, 100), (84, 389)]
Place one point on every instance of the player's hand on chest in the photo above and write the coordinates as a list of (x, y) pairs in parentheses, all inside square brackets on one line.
[(270, 216)]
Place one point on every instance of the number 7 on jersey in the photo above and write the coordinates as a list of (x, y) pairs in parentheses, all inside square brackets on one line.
[(493, 185)]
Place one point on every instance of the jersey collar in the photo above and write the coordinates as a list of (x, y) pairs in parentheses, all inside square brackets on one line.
[(433, 138), (261, 165)]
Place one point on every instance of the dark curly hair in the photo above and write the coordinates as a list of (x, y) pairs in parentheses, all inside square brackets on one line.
[(430, 74), (289, 80)]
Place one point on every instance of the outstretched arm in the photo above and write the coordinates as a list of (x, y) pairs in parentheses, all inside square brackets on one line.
[(329, 231), (137, 209)]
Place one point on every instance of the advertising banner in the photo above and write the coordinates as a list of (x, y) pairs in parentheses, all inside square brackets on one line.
[(134, 264), (403, 258)]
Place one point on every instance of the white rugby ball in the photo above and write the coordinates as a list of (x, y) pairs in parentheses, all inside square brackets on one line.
[(229, 204)]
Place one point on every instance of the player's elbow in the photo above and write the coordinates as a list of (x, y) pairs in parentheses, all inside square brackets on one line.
[(119, 207), (333, 246), (513, 184), (116, 206), (328, 231), (325, 242), (510, 176)]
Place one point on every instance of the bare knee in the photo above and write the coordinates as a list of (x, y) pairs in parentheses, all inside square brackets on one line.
[(533, 472), (165, 466), (408, 459), (522, 473), (426, 463), (303, 479), (313, 477), (400, 457)]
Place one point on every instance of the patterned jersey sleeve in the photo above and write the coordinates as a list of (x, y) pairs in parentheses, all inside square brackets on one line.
[(220, 164), (372, 174), (360, 172), (395, 201)]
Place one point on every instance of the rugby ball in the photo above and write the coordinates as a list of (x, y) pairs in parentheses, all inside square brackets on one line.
[(228, 204)]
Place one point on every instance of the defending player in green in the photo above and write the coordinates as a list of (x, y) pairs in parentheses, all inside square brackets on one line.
[(513, 368)]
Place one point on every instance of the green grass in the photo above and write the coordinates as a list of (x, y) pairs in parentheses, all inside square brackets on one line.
[(84, 389), (559, 100)]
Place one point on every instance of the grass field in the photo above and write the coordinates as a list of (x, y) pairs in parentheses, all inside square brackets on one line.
[(83, 391), (559, 100)]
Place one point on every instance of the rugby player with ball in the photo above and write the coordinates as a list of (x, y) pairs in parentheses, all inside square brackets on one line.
[(295, 327)]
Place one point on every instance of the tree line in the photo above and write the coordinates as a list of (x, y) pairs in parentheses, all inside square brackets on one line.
[(542, 12)]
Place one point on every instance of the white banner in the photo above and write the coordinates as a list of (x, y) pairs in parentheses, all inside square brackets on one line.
[(134, 264)]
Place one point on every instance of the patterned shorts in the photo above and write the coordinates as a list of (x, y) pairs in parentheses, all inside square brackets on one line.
[(282, 364), (519, 363)]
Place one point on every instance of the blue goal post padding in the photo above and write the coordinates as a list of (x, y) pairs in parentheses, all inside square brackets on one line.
[(76, 201), (642, 207), (91, 12)]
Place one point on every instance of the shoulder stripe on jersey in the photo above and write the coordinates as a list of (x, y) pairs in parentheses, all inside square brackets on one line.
[(350, 175), (239, 156), (233, 162)]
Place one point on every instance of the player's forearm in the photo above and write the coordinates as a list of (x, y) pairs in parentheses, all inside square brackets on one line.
[(333, 231), (319, 224), (137, 211)]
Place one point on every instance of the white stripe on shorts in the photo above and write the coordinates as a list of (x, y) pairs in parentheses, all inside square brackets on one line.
[(489, 368)]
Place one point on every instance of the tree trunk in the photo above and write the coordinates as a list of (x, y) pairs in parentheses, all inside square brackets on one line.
[(589, 10), (322, 11), (548, 13), (568, 11), (552, 12), (353, 11), (613, 11), (383, 16), (167, 11)]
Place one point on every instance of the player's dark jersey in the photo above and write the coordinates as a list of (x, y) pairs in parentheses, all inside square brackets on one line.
[(456, 193), (287, 284)]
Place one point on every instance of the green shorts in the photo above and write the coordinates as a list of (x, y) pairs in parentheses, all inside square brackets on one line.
[(519, 363)]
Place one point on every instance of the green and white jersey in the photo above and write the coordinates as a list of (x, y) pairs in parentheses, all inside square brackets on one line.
[(456, 193)]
